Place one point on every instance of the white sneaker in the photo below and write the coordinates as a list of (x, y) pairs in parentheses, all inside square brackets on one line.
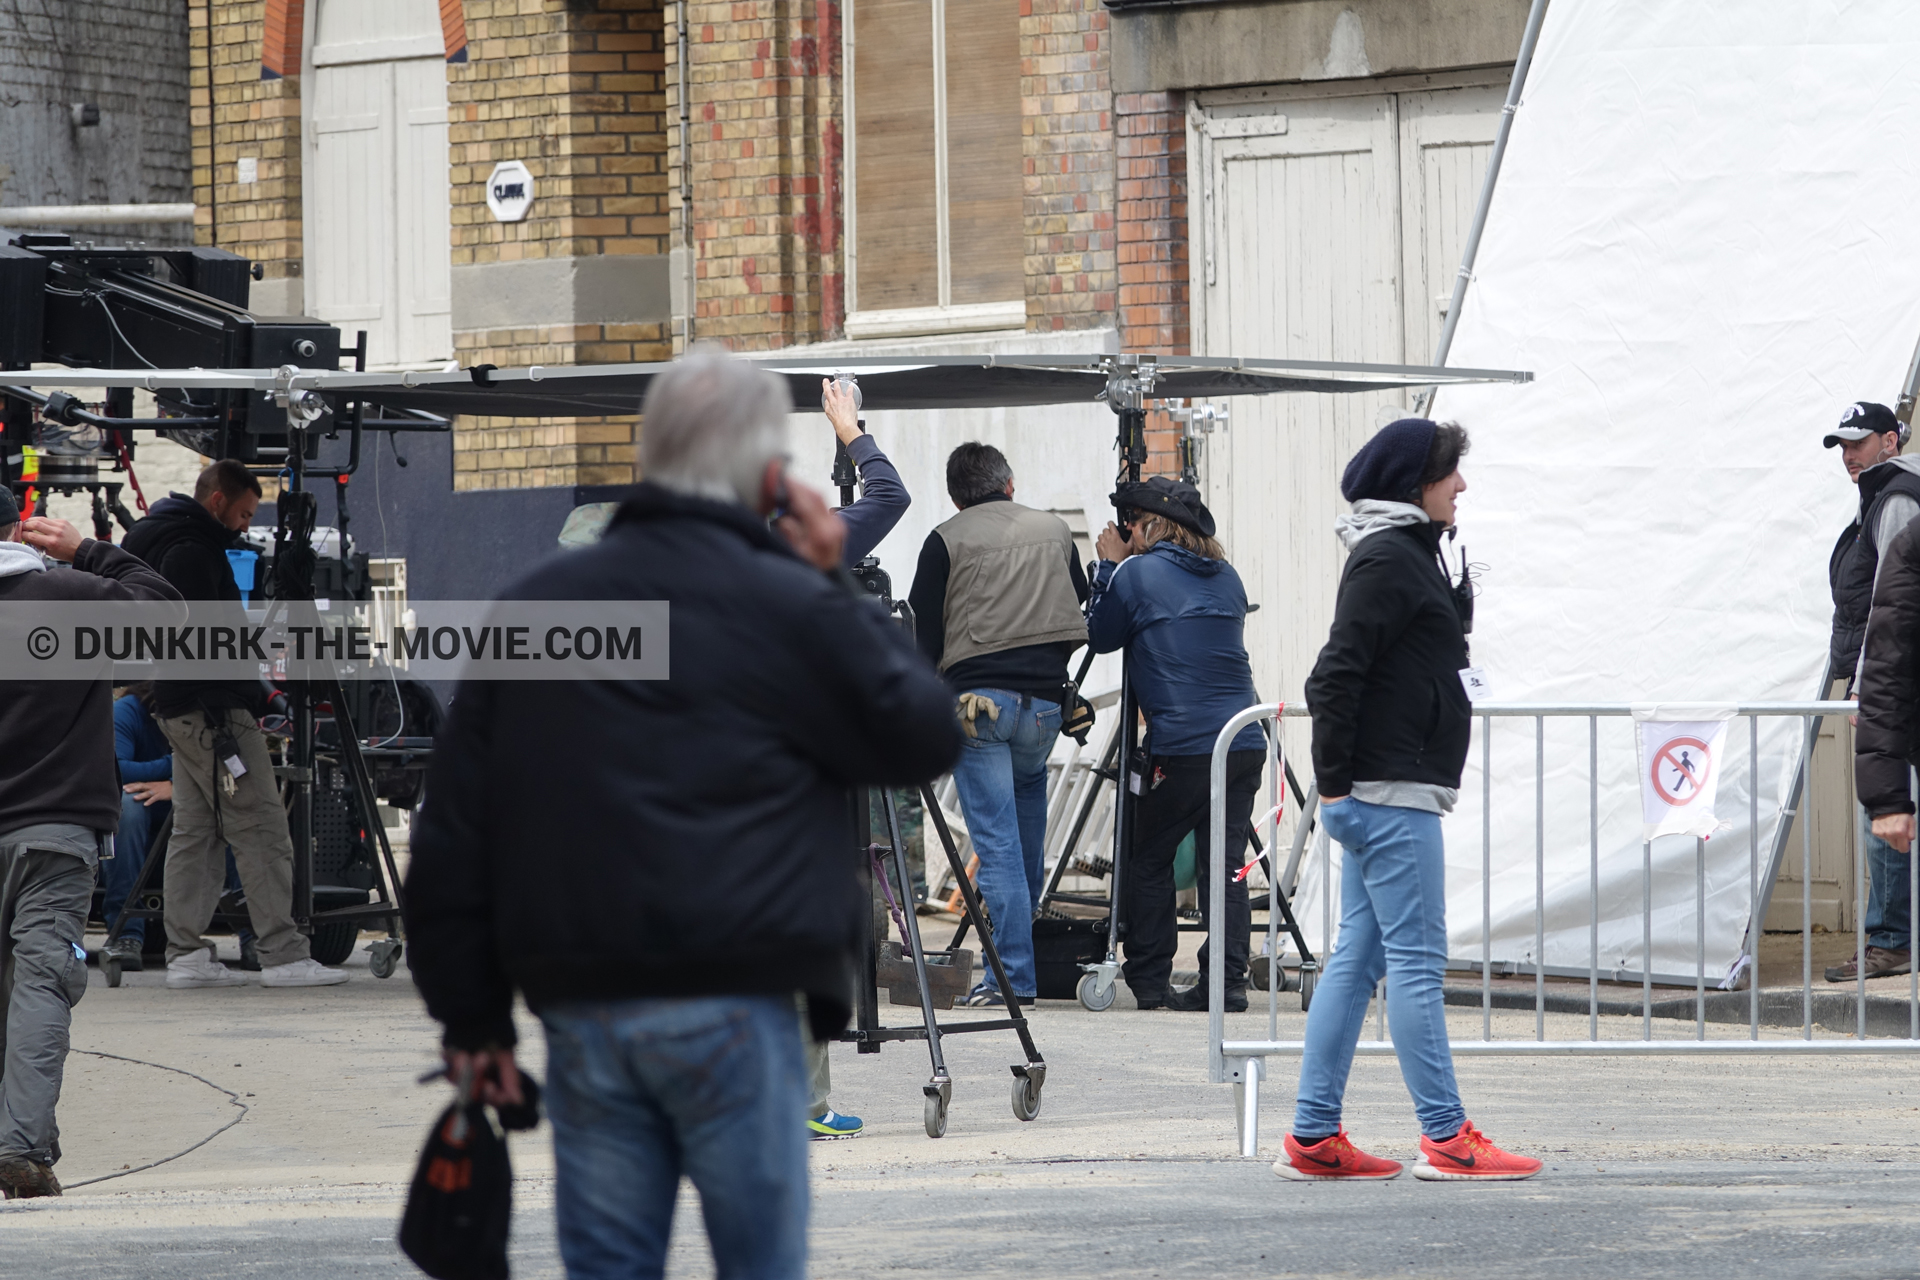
[(200, 969), (301, 973)]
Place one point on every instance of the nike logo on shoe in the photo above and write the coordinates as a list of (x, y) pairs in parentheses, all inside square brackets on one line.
[(1464, 1163)]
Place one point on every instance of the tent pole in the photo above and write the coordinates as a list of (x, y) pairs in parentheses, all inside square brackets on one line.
[(1424, 401), (1800, 812), (1903, 409)]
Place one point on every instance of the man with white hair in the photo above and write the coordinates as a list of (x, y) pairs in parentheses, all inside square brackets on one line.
[(661, 867)]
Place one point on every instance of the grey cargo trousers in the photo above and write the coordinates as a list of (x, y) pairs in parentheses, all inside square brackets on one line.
[(46, 883), (252, 820)]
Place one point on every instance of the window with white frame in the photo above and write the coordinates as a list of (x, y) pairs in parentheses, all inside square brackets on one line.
[(935, 241)]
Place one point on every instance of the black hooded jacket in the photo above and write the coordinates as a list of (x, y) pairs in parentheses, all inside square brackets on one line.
[(1855, 561), (182, 541), (1886, 741), (1385, 695), (679, 837)]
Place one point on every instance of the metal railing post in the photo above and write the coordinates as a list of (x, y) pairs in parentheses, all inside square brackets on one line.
[(1755, 925), (1539, 877), (1216, 976), (1486, 877), (1646, 941), (1700, 939), (1276, 784), (1804, 815), (1593, 887)]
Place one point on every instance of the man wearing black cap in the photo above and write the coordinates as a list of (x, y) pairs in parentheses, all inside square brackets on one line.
[(1870, 438), (1164, 592), (58, 795)]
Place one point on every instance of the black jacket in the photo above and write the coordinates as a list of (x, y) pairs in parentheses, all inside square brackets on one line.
[(56, 736), (188, 547), (1385, 695), (1855, 559), (679, 837), (1886, 741)]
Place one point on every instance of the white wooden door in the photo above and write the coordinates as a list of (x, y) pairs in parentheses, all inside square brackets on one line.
[(1302, 262), (1446, 139), (378, 222), (1331, 225)]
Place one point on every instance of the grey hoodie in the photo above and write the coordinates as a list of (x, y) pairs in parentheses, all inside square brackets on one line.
[(18, 558), (1371, 515)]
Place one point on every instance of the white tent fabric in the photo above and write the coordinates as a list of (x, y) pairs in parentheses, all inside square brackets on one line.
[(1705, 244)]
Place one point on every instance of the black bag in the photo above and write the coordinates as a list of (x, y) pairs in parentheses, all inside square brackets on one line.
[(461, 1202), (1060, 947)]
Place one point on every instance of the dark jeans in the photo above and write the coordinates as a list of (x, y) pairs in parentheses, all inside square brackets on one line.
[(138, 822), (643, 1092), (1162, 817), (1887, 890)]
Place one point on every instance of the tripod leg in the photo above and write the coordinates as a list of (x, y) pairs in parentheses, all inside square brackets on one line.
[(363, 788), (1122, 821), (131, 907), (1079, 824), (867, 1000), (914, 946), (972, 900)]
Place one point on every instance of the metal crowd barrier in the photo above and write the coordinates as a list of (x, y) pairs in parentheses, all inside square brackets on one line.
[(1242, 1062)]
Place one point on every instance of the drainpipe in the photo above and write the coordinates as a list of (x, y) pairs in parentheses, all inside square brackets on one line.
[(686, 179)]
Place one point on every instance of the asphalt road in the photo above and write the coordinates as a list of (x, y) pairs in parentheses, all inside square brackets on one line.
[(1703, 1167), (1120, 1218)]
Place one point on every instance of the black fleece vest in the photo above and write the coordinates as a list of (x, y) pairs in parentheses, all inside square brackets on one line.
[(1855, 560)]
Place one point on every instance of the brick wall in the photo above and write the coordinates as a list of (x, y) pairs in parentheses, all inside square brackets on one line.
[(1067, 108), (574, 90), (236, 113), (766, 161), (127, 57), (1150, 146)]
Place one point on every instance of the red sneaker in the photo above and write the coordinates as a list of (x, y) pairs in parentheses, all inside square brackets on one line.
[(1469, 1156), (1333, 1159)]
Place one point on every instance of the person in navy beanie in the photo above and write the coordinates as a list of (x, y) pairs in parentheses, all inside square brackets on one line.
[(1388, 467), (1391, 721)]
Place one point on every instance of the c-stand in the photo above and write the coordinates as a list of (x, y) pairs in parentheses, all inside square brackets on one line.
[(867, 1034)]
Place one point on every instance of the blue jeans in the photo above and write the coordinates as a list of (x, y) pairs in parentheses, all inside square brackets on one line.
[(1002, 781), (643, 1091), (138, 822), (1887, 889), (1393, 924)]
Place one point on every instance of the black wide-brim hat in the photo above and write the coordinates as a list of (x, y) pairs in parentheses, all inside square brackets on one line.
[(1176, 500)]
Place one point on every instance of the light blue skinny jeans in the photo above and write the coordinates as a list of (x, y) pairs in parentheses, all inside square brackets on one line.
[(1393, 924)]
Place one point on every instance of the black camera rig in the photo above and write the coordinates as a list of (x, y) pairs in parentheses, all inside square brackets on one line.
[(179, 313)]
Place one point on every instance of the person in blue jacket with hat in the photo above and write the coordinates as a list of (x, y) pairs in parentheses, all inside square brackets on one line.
[(1164, 592)]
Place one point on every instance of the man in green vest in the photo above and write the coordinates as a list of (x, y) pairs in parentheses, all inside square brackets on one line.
[(996, 600)]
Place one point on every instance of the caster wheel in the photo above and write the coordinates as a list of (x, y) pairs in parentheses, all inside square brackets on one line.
[(936, 1116), (1026, 1098), (1091, 996), (383, 957), (111, 968), (1307, 977)]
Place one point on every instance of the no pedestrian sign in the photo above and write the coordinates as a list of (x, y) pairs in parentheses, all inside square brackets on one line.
[(1679, 767)]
